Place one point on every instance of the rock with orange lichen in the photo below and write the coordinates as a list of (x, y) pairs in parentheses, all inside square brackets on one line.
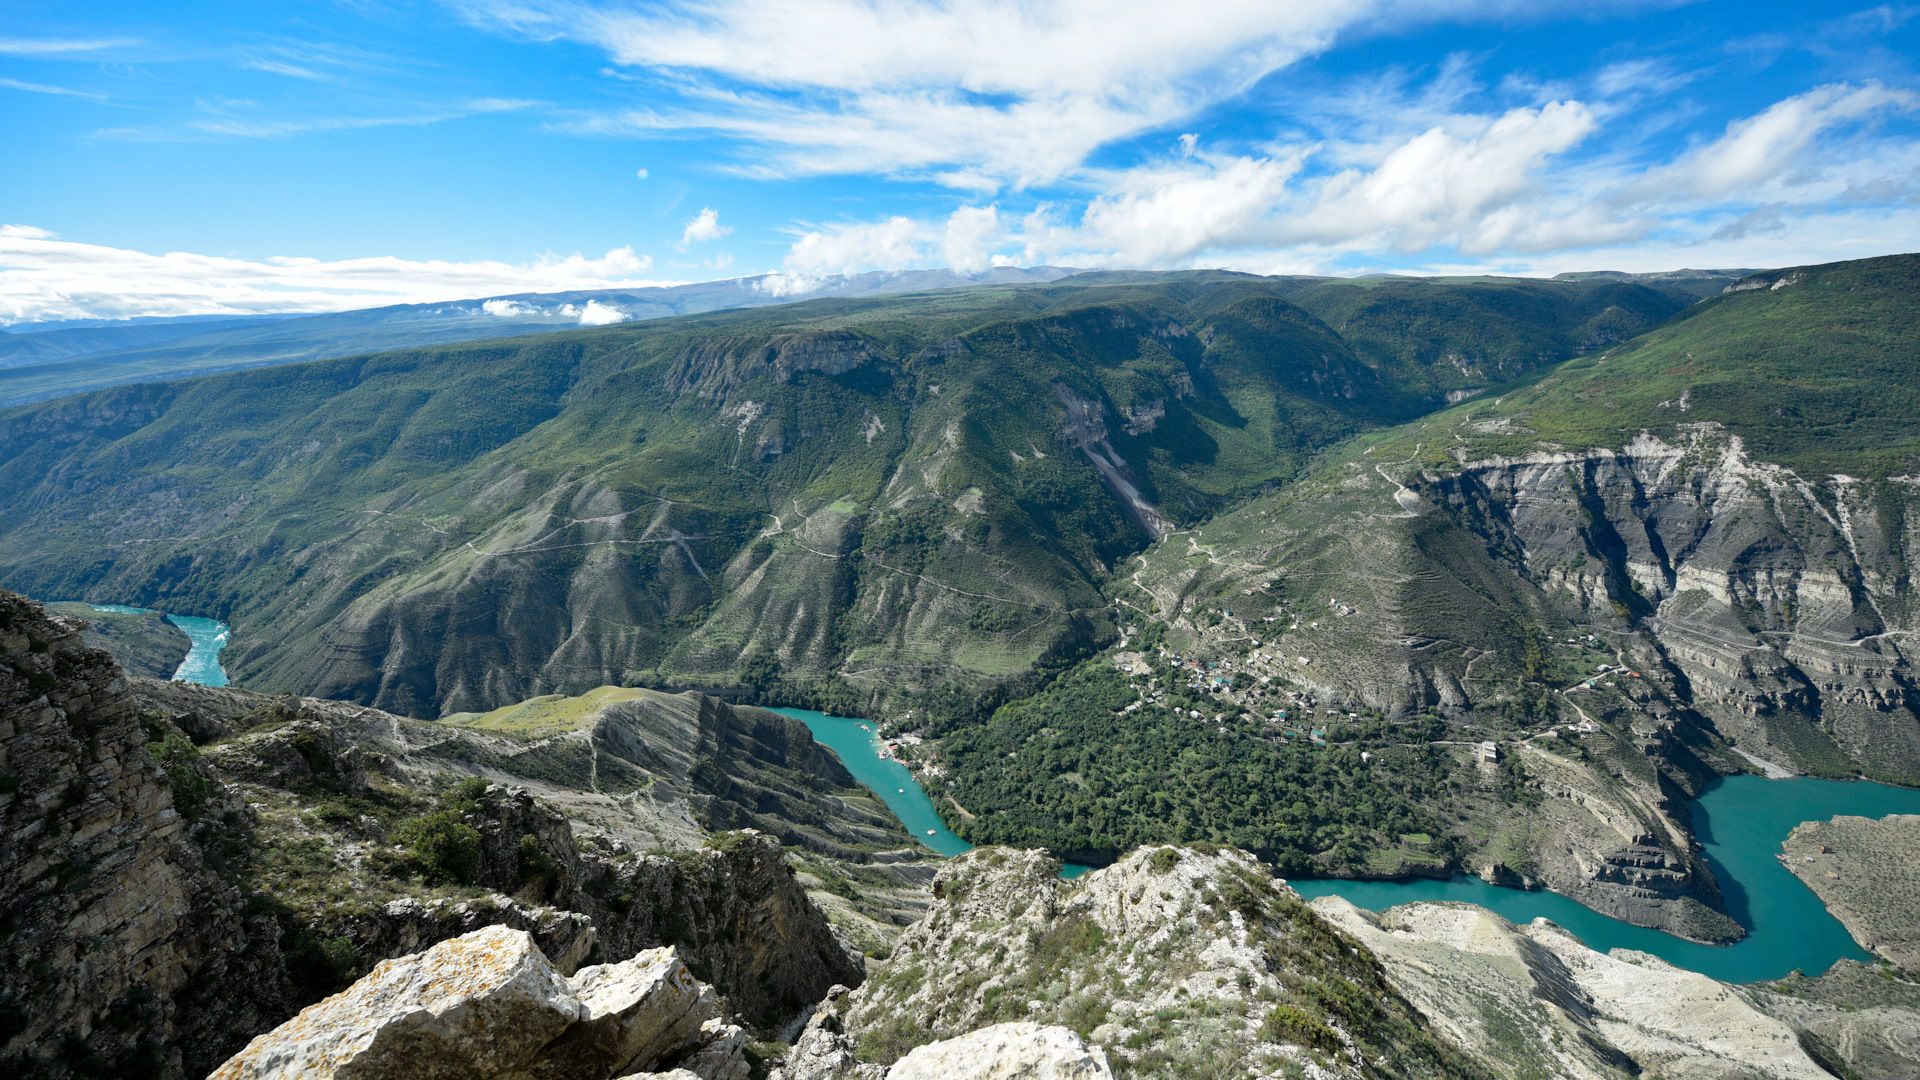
[(490, 1004), (483, 1004)]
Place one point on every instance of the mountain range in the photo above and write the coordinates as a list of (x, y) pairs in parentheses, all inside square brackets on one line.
[(54, 359), (1541, 558)]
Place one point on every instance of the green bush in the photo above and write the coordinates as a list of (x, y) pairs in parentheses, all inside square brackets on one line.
[(444, 845), (1290, 1023), (191, 791)]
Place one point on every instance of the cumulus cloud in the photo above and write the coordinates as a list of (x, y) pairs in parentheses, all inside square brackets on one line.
[(1439, 187), (971, 235), (703, 227), (850, 248), (1499, 188), (45, 278), (599, 314), (1155, 216)]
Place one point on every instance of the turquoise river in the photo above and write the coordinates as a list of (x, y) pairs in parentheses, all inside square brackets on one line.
[(202, 664), (1740, 820)]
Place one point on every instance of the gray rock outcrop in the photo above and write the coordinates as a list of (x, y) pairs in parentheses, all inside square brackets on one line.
[(1016, 1051), (1533, 1000), (489, 1004)]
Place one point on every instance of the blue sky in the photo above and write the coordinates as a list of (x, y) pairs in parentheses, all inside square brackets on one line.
[(319, 154)]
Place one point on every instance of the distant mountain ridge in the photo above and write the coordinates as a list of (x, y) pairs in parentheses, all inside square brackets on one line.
[(72, 358)]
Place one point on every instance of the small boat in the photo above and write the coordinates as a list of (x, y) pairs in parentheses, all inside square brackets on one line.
[(903, 791)]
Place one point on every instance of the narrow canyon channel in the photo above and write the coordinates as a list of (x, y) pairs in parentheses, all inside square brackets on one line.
[(209, 636)]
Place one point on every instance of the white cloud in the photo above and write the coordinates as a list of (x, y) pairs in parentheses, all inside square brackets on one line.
[(850, 248), (976, 93), (599, 314), (1157, 216), (57, 46), (703, 227), (1758, 149), (44, 278), (971, 235), (1504, 189), (1441, 188), (42, 88), (505, 309)]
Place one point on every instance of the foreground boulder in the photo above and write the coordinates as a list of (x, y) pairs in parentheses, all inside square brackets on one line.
[(490, 1004), (1018, 1051)]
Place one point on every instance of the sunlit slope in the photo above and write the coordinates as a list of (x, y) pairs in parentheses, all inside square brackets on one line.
[(1726, 499), (849, 497), (1816, 368)]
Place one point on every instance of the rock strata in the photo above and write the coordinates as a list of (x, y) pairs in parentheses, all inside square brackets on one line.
[(123, 954)]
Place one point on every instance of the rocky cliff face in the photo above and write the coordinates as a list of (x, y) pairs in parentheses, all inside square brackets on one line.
[(199, 863), (142, 644), (123, 953), (323, 777), (1625, 624), (1779, 603)]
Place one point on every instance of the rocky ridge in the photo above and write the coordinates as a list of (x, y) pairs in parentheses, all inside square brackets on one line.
[(1170, 961), (124, 953), (182, 895)]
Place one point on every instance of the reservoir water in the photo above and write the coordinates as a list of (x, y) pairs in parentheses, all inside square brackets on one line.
[(209, 636), (860, 749), (1739, 819)]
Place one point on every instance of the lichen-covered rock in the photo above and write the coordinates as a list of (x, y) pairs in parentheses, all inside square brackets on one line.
[(482, 1005), (406, 925), (489, 1006), (636, 1013), (823, 1050), (1016, 1051), (305, 751), (721, 1055)]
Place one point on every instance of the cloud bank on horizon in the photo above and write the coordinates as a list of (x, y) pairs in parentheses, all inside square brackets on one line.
[(820, 137)]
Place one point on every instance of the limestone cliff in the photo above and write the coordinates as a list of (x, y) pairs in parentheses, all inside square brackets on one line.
[(197, 864)]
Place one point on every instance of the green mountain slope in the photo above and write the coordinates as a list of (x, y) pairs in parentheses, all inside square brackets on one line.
[(1682, 556), (854, 498)]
